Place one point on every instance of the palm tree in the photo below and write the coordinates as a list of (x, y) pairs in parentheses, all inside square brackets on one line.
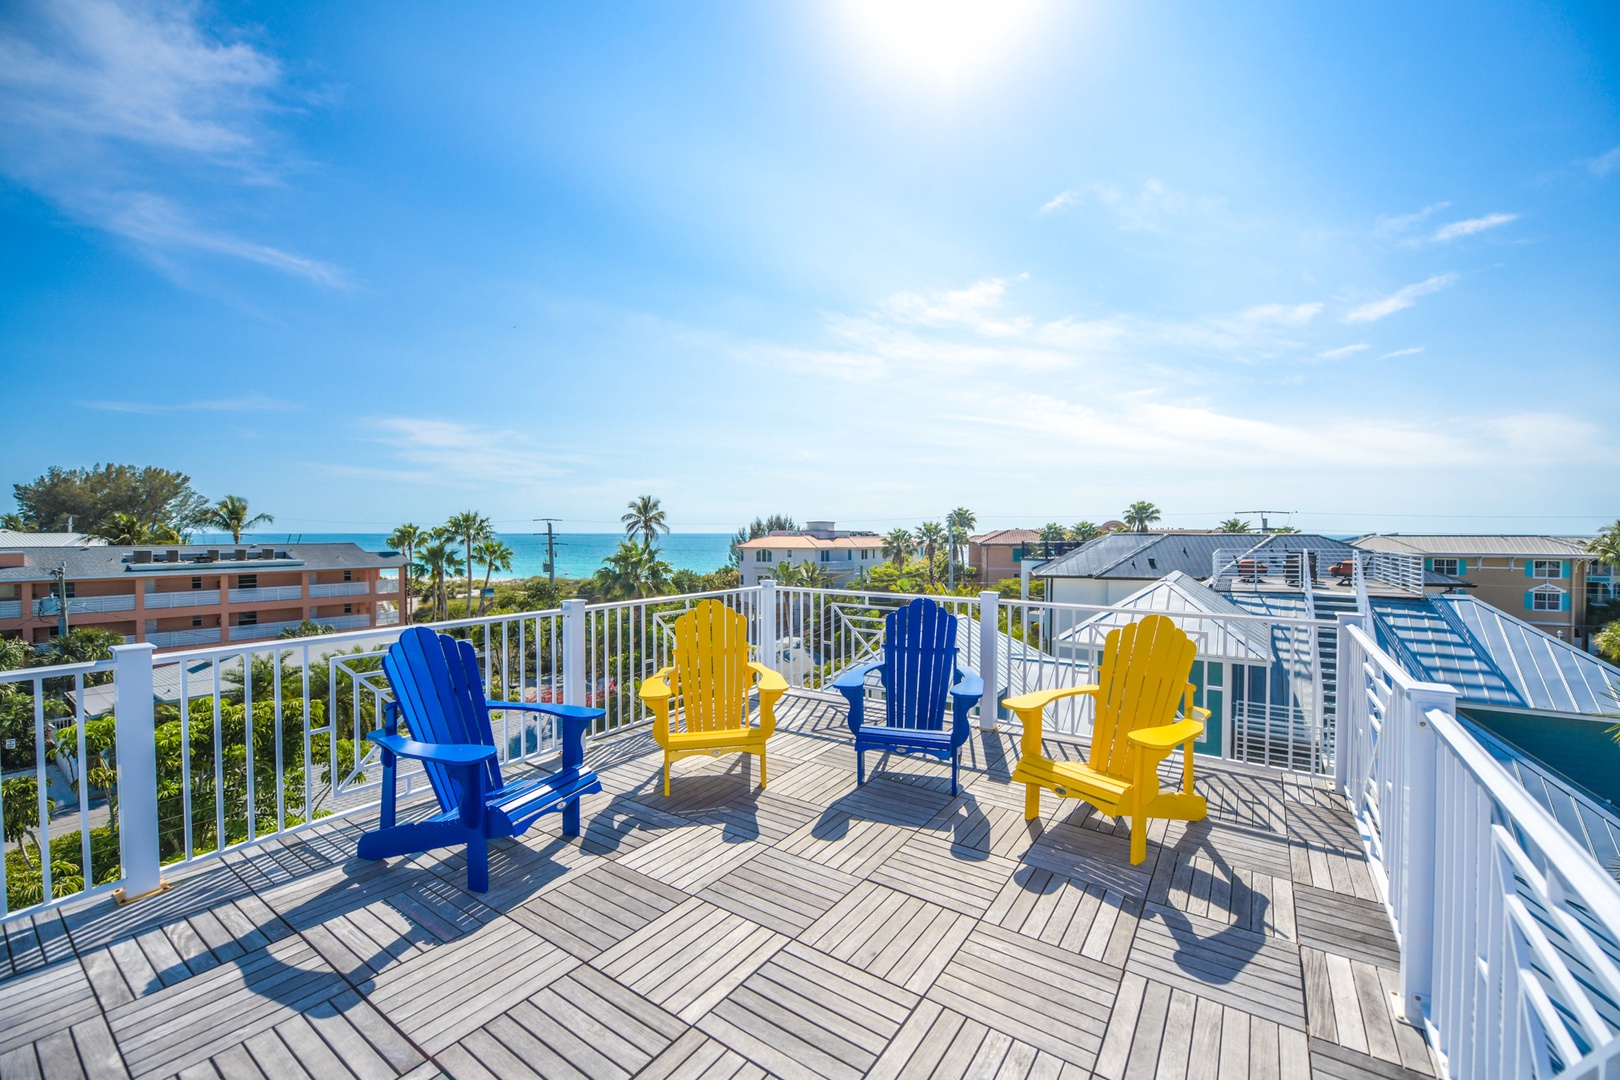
[(803, 575), (1053, 533), (632, 571), (121, 527), (960, 522), (1606, 545), (645, 517), (1234, 525), (470, 527), (757, 528), (495, 556), (898, 546), (930, 535), (231, 514), (405, 538), (1083, 532), (83, 645), (1140, 515), (438, 560)]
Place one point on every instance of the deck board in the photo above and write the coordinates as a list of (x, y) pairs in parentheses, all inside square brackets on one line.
[(815, 928)]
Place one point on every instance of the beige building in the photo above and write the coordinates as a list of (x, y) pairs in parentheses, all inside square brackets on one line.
[(998, 555), (842, 556), (1546, 581)]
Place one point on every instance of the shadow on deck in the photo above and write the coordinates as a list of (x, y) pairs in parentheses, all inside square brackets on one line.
[(813, 929)]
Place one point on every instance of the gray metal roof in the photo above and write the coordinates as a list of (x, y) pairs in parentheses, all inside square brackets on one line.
[(1146, 556), (1536, 547), (11, 539), (1493, 658), (1185, 597), (85, 563)]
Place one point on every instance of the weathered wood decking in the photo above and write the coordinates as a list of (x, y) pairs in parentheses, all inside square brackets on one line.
[(888, 931)]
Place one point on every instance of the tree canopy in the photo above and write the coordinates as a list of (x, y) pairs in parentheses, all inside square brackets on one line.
[(88, 497)]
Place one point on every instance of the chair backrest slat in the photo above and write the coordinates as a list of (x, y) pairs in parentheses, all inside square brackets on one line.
[(440, 695), (919, 651), (711, 677), (1141, 680)]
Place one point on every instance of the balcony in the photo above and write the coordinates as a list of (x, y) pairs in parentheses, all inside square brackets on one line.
[(259, 631), (339, 588), (267, 594), (818, 928), (183, 599), (86, 605), (170, 639), (10, 609), (388, 585)]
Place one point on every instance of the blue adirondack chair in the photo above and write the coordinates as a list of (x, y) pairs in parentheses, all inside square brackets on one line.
[(918, 669), (440, 693)]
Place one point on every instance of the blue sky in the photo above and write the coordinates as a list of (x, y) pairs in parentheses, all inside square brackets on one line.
[(370, 263)]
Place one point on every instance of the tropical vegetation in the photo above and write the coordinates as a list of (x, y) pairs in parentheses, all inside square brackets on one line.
[(231, 515), (755, 529), (645, 516), (1083, 532), (1139, 515), (1235, 525)]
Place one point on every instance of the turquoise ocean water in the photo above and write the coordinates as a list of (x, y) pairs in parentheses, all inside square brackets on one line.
[(578, 554)]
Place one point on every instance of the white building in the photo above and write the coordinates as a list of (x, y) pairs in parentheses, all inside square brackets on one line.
[(841, 555)]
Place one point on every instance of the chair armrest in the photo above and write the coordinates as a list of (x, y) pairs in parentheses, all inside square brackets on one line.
[(1167, 737), (968, 684), (448, 754), (855, 677), (656, 688), (567, 712), (1040, 699), (770, 680)]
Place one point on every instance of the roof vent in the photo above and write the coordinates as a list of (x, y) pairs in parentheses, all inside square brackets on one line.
[(174, 554), (213, 555), (241, 554), (142, 556)]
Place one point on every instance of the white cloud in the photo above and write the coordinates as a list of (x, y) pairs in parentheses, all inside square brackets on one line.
[(1413, 351), (972, 307), (1398, 301), (1342, 351), (1471, 226), (1060, 200), (1393, 226), (448, 452), (129, 116), (1604, 164)]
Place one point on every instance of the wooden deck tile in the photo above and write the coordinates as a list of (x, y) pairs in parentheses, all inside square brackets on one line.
[(1092, 856), (815, 783), (942, 1044), (159, 1034), (1236, 967), (611, 825), (740, 810), (33, 942), (1330, 1062), (1334, 922), (439, 998), (890, 934), (986, 827), (848, 843), (592, 911), (1031, 992), (44, 1001), (689, 958), (933, 868), (695, 1056), (803, 1013), (1094, 922), (691, 858), (84, 1050), (780, 891)]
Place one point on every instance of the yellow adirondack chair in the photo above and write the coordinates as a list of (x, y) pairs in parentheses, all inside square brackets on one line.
[(700, 702), (1143, 676)]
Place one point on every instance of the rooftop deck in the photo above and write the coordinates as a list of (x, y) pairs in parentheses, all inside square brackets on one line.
[(814, 929)]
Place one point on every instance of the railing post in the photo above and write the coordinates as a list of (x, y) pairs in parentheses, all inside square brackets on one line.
[(136, 747), (1347, 689), (1417, 913), (573, 620), (767, 622), (989, 638)]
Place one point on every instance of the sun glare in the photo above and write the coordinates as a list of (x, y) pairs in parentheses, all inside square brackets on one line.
[(942, 40)]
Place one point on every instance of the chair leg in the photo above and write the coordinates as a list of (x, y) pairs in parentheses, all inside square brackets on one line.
[(954, 763), (478, 863), (762, 768), (570, 816), (1138, 836), (666, 774), (860, 767), (1032, 801)]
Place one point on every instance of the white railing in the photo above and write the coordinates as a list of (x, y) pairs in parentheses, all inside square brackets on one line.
[(183, 598), (1397, 570), (387, 616), (86, 605), (168, 639), (1509, 931), (267, 594), (10, 609), (388, 585), (260, 631), (344, 622), (340, 588)]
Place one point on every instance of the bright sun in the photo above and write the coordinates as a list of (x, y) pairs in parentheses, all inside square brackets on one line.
[(943, 40)]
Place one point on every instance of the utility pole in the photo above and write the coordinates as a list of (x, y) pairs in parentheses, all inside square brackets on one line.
[(1263, 525), (60, 574), (950, 554), (551, 553)]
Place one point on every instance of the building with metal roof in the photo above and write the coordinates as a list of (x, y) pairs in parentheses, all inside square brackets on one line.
[(14, 538)]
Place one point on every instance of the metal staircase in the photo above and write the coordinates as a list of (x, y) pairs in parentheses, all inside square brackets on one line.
[(1329, 606)]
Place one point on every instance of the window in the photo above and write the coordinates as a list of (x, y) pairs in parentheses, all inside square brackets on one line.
[(247, 581), (1547, 568), (1600, 570), (348, 609), (1546, 598), (826, 556), (348, 575), (196, 620), (196, 583), (248, 618), (72, 589), (762, 556), (1454, 567)]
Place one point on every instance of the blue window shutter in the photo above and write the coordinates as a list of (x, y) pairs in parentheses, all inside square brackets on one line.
[(1428, 564), (1529, 601), (1565, 599), (1563, 569), (1529, 568), (1462, 567)]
